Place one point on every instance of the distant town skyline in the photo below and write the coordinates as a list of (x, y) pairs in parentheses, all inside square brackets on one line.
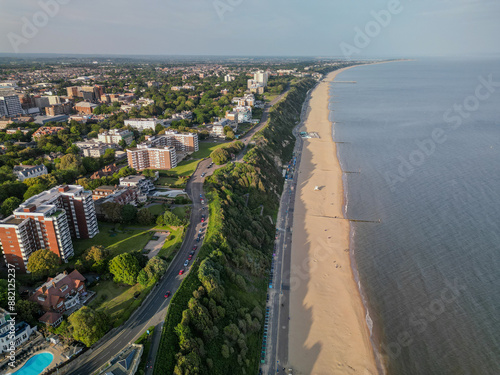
[(380, 29)]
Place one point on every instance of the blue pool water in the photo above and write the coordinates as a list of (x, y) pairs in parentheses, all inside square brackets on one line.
[(36, 364)]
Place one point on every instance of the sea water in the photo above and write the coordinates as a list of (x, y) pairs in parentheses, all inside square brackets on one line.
[(420, 144)]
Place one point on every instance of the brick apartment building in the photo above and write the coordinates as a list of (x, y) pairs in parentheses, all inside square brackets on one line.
[(183, 142), (85, 108), (48, 221), (59, 109), (145, 156)]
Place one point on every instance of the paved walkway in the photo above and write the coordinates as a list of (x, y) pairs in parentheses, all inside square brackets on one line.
[(155, 245)]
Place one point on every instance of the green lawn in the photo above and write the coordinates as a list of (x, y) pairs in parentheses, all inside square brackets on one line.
[(187, 167), (182, 211), (171, 246), (270, 97), (126, 240), (117, 301), (157, 209), (172, 182)]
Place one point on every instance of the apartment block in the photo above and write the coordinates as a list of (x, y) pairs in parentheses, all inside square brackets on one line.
[(48, 221), (183, 142), (143, 124), (85, 108), (59, 109), (10, 105), (145, 156), (116, 136)]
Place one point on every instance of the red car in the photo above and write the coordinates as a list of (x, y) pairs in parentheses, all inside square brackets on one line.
[(190, 257), (195, 247), (167, 294), (181, 272), (202, 219)]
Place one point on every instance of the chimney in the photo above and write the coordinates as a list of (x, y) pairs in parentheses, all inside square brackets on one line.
[(53, 284), (65, 272), (63, 188), (44, 289)]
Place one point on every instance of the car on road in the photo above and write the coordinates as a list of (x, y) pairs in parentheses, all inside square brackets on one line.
[(190, 257), (194, 248), (191, 253), (203, 174), (181, 272), (201, 230), (201, 195), (202, 201), (167, 294)]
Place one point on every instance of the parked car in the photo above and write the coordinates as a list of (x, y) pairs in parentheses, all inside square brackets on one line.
[(190, 257), (181, 272), (186, 263), (167, 294), (195, 247)]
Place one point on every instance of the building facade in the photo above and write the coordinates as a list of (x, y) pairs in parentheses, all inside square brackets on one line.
[(116, 136), (10, 105), (29, 171), (22, 332), (48, 221), (146, 156), (143, 124), (60, 293)]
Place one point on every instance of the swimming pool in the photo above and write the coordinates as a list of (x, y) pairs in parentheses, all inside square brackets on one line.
[(36, 364)]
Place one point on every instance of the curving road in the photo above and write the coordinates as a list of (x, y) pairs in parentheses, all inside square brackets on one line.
[(153, 310)]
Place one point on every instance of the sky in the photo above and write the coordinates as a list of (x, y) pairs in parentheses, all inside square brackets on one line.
[(326, 28)]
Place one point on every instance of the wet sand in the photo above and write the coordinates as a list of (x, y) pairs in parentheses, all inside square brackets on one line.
[(328, 331)]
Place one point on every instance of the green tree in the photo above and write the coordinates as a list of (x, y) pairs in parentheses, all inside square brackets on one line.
[(156, 267), (145, 217), (4, 293), (90, 164), (27, 310), (70, 161), (88, 325), (112, 211), (129, 213), (125, 268), (34, 190), (170, 218), (9, 205), (96, 254), (143, 278), (43, 262), (220, 156), (160, 220)]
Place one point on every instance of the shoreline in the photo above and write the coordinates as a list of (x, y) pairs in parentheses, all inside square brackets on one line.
[(328, 327)]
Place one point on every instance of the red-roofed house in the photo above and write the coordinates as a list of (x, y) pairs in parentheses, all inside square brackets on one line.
[(60, 293), (46, 130), (51, 319)]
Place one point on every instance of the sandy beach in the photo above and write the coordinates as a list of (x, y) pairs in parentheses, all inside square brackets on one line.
[(328, 332)]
